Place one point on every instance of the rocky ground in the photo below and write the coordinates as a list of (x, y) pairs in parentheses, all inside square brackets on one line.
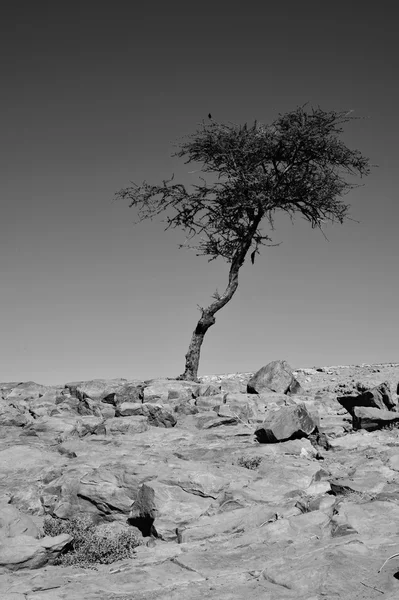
[(276, 485)]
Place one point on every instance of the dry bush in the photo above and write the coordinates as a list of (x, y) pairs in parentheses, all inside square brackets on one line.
[(91, 544)]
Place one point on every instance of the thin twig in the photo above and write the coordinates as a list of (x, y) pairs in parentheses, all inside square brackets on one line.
[(372, 587), (393, 556)]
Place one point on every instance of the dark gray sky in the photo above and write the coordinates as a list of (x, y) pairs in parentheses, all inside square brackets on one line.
[(93, 96)]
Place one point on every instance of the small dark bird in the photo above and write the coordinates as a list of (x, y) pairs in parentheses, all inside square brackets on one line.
[(209, 116)]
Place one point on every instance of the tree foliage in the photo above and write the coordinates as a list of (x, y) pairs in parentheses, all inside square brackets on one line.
[(297, 165)]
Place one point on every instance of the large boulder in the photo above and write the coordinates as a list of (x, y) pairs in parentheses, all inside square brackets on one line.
[(130, 424), (158, 416), (131, 391), (12, 415), (287, 423), (371, 419), (377, 397), (159, 391), (165, 508), (103, 492), (13, 522), (276, 376), (26, 552), (96, 389), (25, 391)]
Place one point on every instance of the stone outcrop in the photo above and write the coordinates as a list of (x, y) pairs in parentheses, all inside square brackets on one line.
[(377, 397), (285, 424), (276, 376), (368, 418), (271, 494)]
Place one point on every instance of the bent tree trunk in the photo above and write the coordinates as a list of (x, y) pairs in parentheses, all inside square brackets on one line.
[(208, 314)]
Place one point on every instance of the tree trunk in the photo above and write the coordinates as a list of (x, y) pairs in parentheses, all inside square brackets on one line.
[(208, 314)]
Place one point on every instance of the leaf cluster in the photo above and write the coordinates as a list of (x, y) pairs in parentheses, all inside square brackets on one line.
[(298, 165)]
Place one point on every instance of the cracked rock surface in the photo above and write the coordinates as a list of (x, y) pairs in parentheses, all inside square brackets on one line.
[(307, 510)]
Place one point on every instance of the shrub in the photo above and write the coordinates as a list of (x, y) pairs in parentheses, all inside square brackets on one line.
[(91, 543), (249, 462)]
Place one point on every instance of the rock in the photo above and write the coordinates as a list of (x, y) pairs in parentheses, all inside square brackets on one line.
[(284, 424), (245, 407), (128, 409), (128, 392), (208, 402), (100, 492), (373, 418), (168, 391), (13, 523), (324, 503), (209, 421), (102, 489), (26, 391), (377, 397), (209, 389), (186, 408), (394, 462), (158, 416), (240, 519), (283, 520), (276, 376), (25, 552), (127, 425), (96, 389), (370, 520), (13, 416), (165, 508)]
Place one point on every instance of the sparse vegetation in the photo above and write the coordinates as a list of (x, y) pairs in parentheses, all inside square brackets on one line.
[(91, 544), (249, 462)]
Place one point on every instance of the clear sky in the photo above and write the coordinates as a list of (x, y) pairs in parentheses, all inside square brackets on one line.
[(94, 95)]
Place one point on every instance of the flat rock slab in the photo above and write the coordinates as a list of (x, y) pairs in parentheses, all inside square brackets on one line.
[(373, 418)]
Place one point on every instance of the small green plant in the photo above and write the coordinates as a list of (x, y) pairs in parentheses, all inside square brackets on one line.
[(249, 462), (91, 544), (391, 426)]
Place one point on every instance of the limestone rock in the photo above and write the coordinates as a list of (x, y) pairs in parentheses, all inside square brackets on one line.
[(26, 552), (166, 508), (378, 397), (13, 523), (286, 423), (128, 409), (158, 416), (283, 520), (13, 416), (161, 391), (276, 376), (96, 389), (127, 425), (26, 391), (128, 392), (209, 389), (373, 418), (208, 402)]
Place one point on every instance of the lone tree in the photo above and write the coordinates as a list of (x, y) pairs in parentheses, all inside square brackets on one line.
[(297, 165)]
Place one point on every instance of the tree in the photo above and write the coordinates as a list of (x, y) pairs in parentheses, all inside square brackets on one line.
[(297, 165)]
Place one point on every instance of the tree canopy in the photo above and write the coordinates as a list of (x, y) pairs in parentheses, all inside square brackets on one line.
[(297, 165)]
